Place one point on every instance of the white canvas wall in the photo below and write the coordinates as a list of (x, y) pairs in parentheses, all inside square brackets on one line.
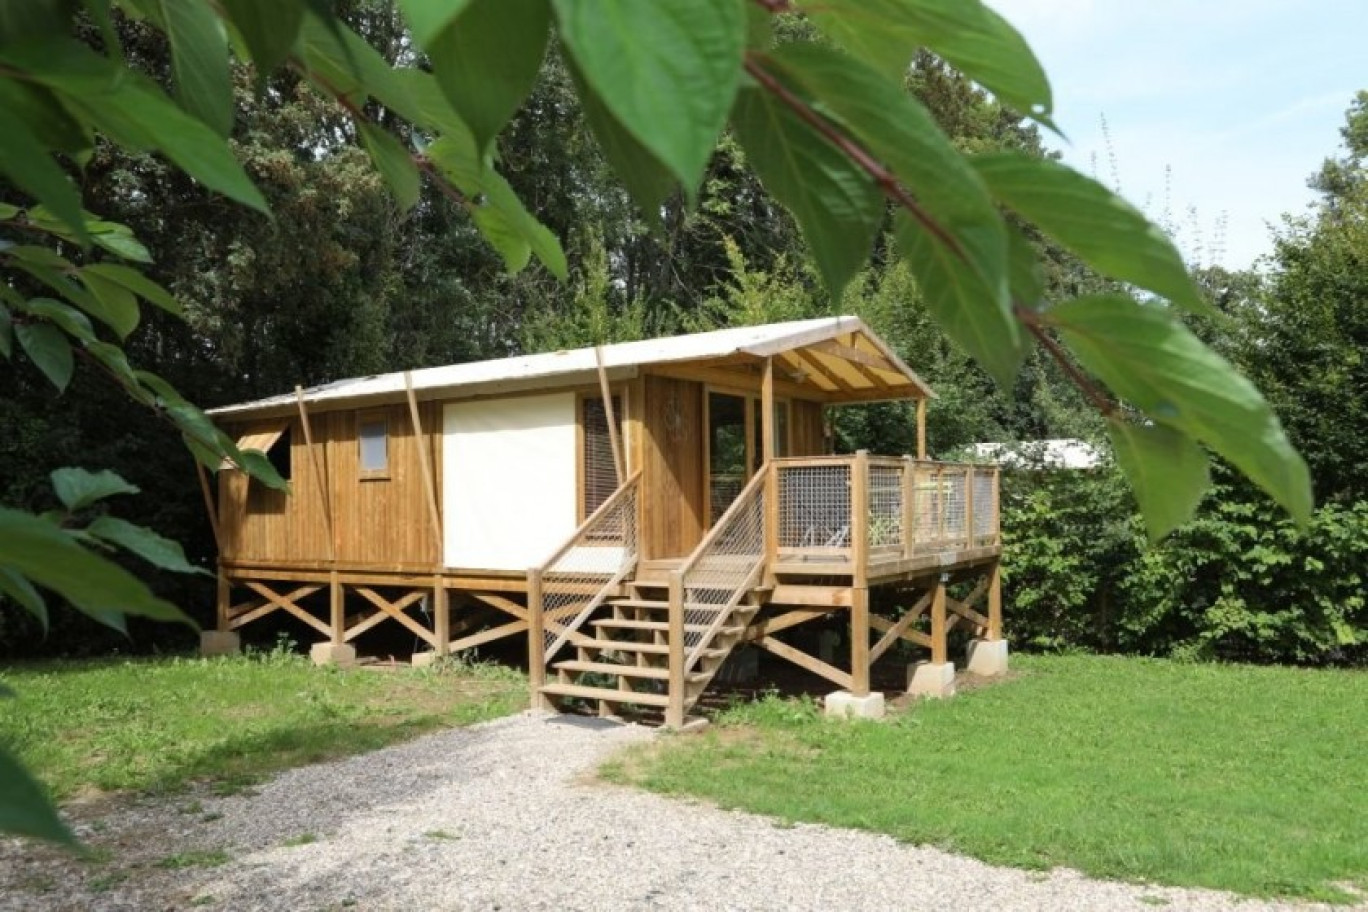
[(508, 475)]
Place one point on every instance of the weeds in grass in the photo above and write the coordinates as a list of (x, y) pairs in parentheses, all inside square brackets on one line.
[(1233, 777), (440, 834), (155, 725), (302, 839), (106, 882)]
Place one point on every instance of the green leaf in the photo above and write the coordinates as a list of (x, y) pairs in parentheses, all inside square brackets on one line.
[(972, 308), (269, 28), (837, 205), (120, 311), (255, 464), (137, 283), (25, 809), (22, 592), (1146, 356), (151, 547), (1166, 470), (667, 70), (393, 162), (98, 587), (1104, 230), (68, 318), (6, 333), (967, 34), (49, 350), (647, 180), (77, 488), (25, 161), (496, 209), (39, 108), (199, 62), (428, 18), (1025, 277), (135, 113), (116, 362), (487, 60)]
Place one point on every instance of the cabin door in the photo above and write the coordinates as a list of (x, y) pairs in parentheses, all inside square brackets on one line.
[(736, 445)]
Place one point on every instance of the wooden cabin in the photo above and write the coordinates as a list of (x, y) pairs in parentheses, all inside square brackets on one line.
[(636, 511)]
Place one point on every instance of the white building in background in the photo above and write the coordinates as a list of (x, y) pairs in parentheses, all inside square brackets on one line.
[(1066, 453)]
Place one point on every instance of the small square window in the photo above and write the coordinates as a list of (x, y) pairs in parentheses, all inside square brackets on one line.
[(373, 435)]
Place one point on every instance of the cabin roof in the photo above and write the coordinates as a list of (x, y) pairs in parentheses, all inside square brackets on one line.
[(834, 359)]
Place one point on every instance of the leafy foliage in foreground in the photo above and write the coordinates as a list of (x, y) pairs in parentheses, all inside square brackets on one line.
[(835, 140), (1180, 774)]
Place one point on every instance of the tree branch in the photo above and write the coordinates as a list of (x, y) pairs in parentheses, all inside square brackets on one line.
[(1090, 390)]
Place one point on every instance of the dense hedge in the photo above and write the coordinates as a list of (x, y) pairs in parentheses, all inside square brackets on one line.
[(1238, 583)]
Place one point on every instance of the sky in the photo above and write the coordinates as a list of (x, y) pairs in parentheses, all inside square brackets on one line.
[(1216, 112)]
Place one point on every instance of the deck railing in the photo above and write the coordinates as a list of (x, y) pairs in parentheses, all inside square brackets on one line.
[(724, 567), (845, 509), (582, 573)]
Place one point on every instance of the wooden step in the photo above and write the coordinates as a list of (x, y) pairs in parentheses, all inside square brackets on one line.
[(626, 671), (662, 626), (605, 694), (643, 648), (661, 606)]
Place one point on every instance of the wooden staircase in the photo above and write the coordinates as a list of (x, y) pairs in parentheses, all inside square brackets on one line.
[(627, 659)]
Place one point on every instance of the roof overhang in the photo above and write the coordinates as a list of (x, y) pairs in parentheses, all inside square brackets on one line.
[(833, 359)]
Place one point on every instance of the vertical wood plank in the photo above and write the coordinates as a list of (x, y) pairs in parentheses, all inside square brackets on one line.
[(939, 651), (441, 616), (859, 642), (319, 478), (336, 611), (995, 601), (909, 514), (222, 597), (536, 640), (859, 519), (921, 428), (674, 712), (767, 413), (605, 390), (424, 466), (969, 506)]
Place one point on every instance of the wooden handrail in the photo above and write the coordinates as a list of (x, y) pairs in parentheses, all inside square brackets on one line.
[(604, 507), (757, 480)]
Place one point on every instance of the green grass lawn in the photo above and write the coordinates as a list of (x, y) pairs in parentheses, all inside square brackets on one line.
[(155, 724), (1246, 779)]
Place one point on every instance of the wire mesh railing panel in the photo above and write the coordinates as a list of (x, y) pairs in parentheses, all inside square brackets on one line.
[(715, 578), (985, 507), (886, 506), (577, 580), (955, 526), (814, 506)]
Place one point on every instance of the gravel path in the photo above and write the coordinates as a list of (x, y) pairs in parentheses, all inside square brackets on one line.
[(502, 816)]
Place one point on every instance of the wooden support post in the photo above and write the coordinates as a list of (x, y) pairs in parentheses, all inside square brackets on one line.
[(995, 601), (536, 640), (997, 505), (909, 508), (859, 642), (939, 653), (337, 611), (320, 485), (618, 466), (209, 507), (441, 616), (767, 413), (859, 517), (969, 507), (674, 711), (771, 524), (921, 428), (223, 601)]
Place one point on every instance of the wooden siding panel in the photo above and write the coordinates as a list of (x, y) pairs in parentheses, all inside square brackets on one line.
[(672, 467), (806, 435)]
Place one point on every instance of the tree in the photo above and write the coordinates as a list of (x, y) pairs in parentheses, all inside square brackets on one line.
[(826, 125)]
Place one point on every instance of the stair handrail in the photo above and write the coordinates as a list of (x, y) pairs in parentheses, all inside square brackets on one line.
[(539, 620), (753, 489)]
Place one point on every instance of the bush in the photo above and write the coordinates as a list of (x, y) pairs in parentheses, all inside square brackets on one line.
[(1238, 583)]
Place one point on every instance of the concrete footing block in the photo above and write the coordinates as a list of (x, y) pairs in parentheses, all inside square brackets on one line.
[(926, 679), (219, 643), (845, 705), (426, 659), (987, 658), (339, 654)]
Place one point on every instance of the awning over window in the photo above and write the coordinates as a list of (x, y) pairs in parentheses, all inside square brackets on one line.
[(262, 437)]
